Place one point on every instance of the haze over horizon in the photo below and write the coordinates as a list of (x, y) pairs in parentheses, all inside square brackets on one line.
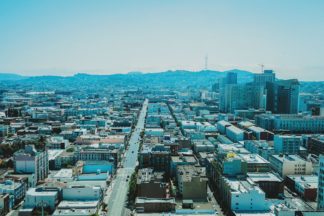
[(103, 37)]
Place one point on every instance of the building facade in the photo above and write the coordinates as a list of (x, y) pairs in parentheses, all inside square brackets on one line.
[(30, 160), (283, 96), (320, 192)]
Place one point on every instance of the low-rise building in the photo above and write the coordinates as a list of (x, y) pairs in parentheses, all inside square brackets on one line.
[(243, 196), (234, 133), (151, 184), (181, 160), (295, 123), (255, 163), (305, 185), (16, 190), (57, 142), (192, 182), (4, 204), (82, 193), (149, 205), (260, 147), (77, 208), (270, 183), (36, 197), (290, 165)]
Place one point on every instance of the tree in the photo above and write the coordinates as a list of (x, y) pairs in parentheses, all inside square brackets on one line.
[(70, 149), (132, 191)]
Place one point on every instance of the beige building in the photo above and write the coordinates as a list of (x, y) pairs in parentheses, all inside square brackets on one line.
[(290, 165)]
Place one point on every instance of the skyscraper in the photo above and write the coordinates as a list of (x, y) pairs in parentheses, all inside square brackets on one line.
[(283, 96), (231, 78), (266, 76), (242, 96)]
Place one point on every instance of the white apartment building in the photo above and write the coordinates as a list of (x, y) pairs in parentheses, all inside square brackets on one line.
[(29, 160)]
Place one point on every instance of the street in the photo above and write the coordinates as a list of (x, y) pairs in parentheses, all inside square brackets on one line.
[(117, 192)]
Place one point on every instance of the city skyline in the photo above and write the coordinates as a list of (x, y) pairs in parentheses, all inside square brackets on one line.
[(64, 38)]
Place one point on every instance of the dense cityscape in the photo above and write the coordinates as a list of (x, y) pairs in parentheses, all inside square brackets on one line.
[(230, 143)]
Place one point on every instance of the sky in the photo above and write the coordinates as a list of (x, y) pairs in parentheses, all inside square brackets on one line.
[(63, 37)]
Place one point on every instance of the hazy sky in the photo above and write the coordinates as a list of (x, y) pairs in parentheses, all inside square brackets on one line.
[(68, 36)]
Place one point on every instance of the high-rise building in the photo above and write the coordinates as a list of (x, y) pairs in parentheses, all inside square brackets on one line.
[(231, 78), (266, 76), (320, 192), (242, 96), (283, 96), (29, 160)]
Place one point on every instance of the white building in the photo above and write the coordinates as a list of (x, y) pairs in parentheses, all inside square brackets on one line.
[(41, 196), (76, 208), (320, 192), (29, 160), (245, 196), (290, 165), (57, 142), (82, 193)]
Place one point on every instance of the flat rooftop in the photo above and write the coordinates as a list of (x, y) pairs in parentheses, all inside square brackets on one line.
[(238, 186), (53, 153), (234, 129), (147, 175), (179, 159), (253, 158), (64, 173), (33, 192), (186, 172), (268, 176), (288, 158)]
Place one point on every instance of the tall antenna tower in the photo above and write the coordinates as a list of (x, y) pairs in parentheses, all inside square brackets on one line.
[(262, 67), (206, 62)]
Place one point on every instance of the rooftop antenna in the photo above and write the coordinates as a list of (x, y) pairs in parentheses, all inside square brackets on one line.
[(206, 62)]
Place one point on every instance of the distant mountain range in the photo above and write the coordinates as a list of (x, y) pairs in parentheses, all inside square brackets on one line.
[(164, 74), (11, 76), (177, 78)]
